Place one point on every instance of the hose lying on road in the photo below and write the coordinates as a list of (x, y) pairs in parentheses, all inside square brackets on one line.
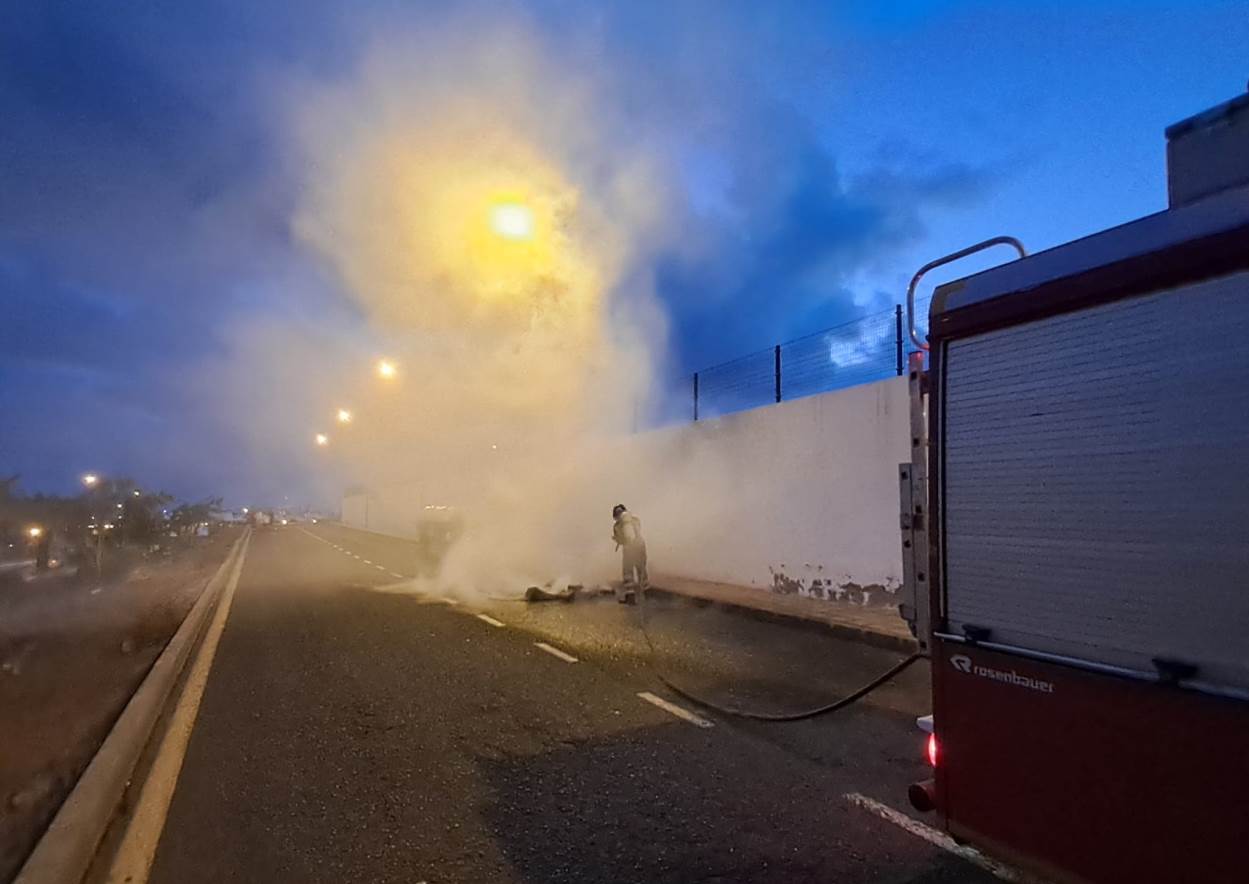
[(751, 715)]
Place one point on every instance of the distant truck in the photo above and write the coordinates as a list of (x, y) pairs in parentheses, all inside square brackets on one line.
[(1076, 537)]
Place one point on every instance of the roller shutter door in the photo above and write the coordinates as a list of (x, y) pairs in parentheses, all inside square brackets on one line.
[(1096, 482)]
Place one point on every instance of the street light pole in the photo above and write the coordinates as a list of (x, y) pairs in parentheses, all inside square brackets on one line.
[(91, 481)]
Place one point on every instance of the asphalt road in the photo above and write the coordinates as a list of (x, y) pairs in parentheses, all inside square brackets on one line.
[(354, 730)]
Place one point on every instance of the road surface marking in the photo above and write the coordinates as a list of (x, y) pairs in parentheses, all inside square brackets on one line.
[(318, 537), (133, 860), (683, 714), (450, 601), (396, 574), (379, 567), (937, 838), (366, 561), (556, 652), (486, 618)]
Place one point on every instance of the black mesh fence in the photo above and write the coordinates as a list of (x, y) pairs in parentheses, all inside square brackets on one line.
[(854, 353), (737, 384), (870, 348)]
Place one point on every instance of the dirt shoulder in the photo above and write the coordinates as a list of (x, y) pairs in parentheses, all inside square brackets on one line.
[(72, 651)]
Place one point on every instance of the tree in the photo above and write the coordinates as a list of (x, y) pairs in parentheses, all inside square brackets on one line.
[(189, 515), (142, 517)]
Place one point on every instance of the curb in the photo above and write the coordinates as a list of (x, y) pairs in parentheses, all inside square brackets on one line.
[(66, 850), (860, 634)]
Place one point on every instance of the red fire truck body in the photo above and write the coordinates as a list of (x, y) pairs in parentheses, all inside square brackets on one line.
[(1076, 538)]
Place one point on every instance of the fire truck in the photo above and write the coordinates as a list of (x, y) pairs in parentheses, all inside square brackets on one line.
[(1075, 537)]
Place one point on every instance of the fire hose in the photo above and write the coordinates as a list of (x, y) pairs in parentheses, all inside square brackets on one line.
[(752, 715)]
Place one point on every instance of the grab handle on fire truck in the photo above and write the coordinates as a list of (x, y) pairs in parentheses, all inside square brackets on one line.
[(949, 259)]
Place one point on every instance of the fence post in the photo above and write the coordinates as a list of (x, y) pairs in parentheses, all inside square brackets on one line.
[(778, 372), (695, 395), (897, 317)]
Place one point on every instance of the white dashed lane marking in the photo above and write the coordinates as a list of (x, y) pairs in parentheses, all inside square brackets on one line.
[(486, 618), (556, 652), (674, 709), (396, 574)]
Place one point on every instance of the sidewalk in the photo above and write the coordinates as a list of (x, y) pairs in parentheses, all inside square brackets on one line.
[(876, 625)]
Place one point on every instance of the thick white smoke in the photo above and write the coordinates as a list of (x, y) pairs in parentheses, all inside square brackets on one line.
[(483, 205)]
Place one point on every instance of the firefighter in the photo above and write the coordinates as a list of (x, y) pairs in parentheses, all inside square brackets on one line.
[(627, 532)]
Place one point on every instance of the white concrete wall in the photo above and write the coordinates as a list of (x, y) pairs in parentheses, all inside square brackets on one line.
[(798, 497), (391, 509), (356, 509), (805, 496)]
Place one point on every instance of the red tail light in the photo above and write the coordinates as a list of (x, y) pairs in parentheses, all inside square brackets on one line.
[(932, 749)]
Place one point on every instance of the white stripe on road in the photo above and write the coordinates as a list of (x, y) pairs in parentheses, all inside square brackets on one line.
[(366, 561), (450, 601), (938, 839), (679, 712), (396, 574), (379, 567), (486, 618), (556, 652)]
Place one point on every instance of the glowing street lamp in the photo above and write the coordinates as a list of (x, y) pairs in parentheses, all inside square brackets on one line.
[(386, 369), (322, 439), (512, 221), (344, 416), (90, 480), (34, 532)]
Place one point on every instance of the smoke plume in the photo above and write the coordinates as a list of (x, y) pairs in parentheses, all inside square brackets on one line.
[(482, 206)]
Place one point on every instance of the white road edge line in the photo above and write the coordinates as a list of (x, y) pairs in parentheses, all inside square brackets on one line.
[(938, 838), (450, 601), (132, 863), (674, 709), (486, 618), (555, 652)]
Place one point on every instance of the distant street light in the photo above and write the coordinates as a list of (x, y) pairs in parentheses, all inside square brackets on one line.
[(322, 439), (90, 480), (344, 416), (35, 532), (136, 492), (386, 369)]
